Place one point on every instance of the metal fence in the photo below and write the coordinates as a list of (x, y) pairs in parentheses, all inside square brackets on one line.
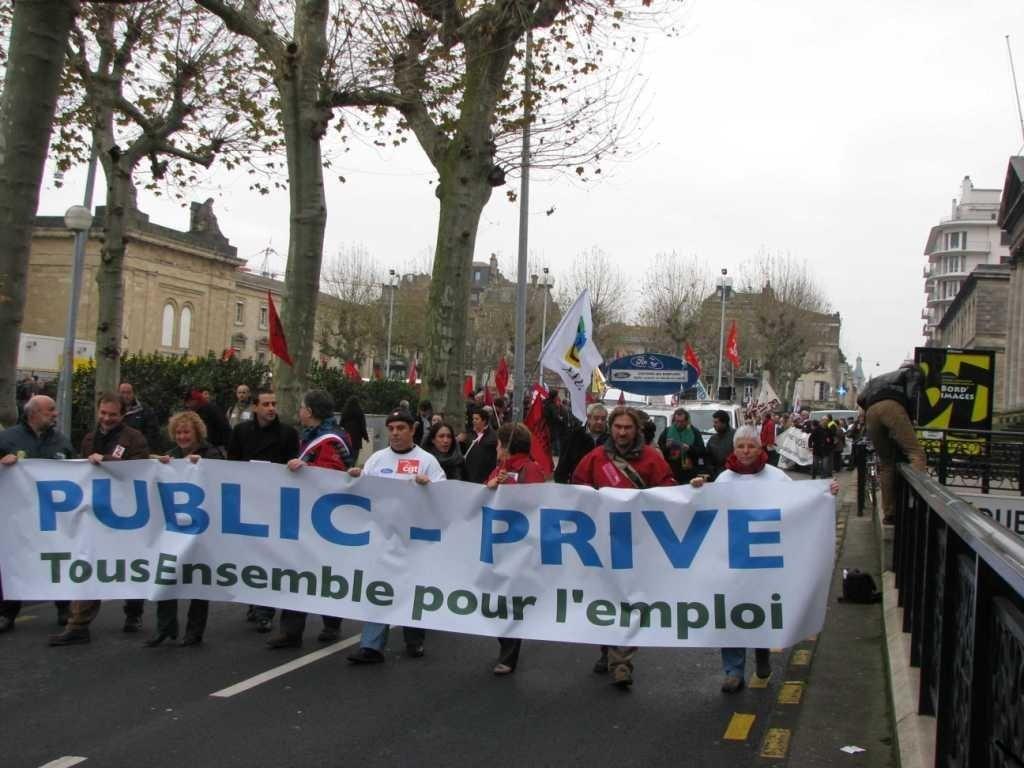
[(988, 461), (960, 579)]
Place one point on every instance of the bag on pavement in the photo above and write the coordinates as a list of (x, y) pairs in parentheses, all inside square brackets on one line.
[(859, 587)]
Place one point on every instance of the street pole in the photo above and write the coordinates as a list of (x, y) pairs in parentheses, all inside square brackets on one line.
[(723, 286), (391, 317), (543, 322), (81, 230), (524, 213)]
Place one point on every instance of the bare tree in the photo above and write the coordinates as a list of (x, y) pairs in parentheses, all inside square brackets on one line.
[(35, 59), (670, 299), (152, 83), (788, 313), (452, 72), (609, 289), (350, 324)]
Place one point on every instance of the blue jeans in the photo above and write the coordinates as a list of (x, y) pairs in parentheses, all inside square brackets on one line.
[(375, 636), (734, 662)]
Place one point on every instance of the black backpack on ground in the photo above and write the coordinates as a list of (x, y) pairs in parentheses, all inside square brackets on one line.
[(859, 587)]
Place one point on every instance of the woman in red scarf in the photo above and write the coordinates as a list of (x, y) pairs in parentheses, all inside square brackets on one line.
[(514, 467), (748, 462)]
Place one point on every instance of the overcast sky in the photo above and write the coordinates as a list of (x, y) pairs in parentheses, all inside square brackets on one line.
[(835, 132)]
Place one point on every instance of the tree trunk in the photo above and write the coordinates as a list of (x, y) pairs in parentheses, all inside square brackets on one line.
[(110, 277), (464, 193), (304, 122), (39, 37)]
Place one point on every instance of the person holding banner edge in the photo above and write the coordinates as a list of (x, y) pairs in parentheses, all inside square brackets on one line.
[(623, 461), (401, 460), (748, 462), (515, 467)]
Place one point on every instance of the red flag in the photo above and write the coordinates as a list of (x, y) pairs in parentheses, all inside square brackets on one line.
[(378, 372), (352, 371), (540, 445), (278, 343), (488, 400), (413, 374), (467, 387), (501, 377), (732, 349), (691, 358), (228, 354)]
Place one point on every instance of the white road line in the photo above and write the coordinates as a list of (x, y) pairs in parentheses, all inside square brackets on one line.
[(284, 669), (64, 762)]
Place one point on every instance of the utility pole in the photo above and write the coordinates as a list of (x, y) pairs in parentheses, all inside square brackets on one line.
[(724, 285), (392, 285), (524, 226)]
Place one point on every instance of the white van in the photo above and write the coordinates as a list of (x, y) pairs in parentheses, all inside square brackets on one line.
[(701, 412)]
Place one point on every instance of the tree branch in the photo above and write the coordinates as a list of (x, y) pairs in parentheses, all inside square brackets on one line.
[(448, 14), (246, 22), (204, 156)]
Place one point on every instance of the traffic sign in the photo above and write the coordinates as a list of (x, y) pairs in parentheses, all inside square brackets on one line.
[(651, 374)]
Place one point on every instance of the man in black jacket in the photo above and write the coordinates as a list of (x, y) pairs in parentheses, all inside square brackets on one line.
[(480, 448), (887, 401), (140, 417), (581, 440), (34, 437), (263, 438)]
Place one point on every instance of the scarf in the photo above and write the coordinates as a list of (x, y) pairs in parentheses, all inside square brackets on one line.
[(683, 436), (450, 462), (733, 463), (633, 452)]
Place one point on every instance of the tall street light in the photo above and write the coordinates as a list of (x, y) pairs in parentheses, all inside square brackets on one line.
[(78, 219), (546, 281), (724, 287), (393, 285)]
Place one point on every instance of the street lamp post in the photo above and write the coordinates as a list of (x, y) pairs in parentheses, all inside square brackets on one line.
[(392, 284), (78, 219), (724, 286), (546, 281)]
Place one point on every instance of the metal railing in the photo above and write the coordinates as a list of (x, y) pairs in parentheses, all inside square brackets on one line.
[(960, 579), (988, 461)]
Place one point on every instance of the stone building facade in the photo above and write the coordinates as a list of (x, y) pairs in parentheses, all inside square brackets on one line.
[(185, 293), (977, 320), (1011, 219)]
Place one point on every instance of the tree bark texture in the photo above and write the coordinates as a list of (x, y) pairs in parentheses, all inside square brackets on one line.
[(39, 38)]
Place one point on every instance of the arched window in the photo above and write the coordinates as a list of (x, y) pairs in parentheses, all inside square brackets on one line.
[(185, 327), (167, 326)]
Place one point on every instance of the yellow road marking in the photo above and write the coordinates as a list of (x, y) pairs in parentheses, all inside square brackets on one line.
[(24, 618), (791, 692), (739, 727), (776, 743), (758, 682), (801, 658)]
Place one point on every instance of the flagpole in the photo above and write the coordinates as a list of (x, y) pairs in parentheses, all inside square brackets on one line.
[(723, 285)]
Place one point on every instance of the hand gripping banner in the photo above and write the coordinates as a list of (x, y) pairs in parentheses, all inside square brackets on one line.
[(739, 564)]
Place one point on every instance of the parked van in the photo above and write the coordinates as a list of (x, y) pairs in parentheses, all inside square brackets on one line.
[(701, 412)]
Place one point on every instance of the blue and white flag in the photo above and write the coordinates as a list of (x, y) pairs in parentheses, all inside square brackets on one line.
[(572, 354)]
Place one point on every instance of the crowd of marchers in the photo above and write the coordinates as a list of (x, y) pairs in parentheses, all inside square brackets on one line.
[(615, 447)]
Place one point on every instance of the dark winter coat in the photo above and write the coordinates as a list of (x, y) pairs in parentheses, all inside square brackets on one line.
[(276, 442), (27, 444), (122, 442)]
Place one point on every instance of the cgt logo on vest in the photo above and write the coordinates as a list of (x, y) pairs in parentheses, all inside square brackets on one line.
[(408, 466)]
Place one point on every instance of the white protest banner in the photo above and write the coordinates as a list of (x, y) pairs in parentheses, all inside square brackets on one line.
[(794, 446), (740, 564)]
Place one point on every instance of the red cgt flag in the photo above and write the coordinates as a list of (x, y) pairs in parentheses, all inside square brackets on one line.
[(413, 374), (352, 371), (488, 400), (278, 343), (467, 387), (501, 377), (732, 348), (691, 357)]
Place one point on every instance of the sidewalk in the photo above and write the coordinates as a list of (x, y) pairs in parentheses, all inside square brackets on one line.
[(846, 703)]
